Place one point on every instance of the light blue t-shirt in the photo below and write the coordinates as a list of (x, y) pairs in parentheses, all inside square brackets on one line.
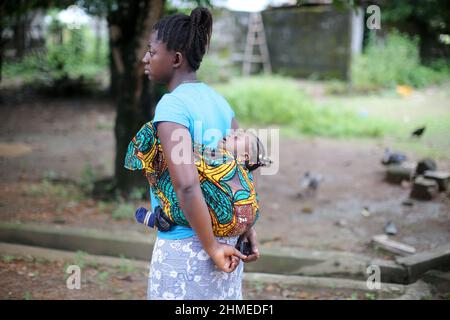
[(205, 113)]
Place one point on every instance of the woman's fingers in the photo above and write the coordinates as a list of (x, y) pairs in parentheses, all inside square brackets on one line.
[(252, 257), (239, 254), (234, 263), (255, 251), (229, 258)]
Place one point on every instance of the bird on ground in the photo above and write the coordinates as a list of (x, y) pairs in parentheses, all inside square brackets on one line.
[(390, 228), (392, 157), (310, 183), (418, 132)]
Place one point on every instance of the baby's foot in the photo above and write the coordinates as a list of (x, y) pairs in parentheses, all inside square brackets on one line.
[(145, 217), (156, 219)]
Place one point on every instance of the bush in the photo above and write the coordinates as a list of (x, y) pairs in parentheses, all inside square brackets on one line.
[(215, 69), (393, 61), (267, 100), (71, 65), (123, 211)]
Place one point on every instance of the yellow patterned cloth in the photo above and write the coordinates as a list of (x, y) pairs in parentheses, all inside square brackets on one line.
[(227, 186)]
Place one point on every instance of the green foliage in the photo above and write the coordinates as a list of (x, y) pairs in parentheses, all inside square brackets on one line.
[(267, 100), (354, 296), (88, 179), (102, 206), (137, 194), (123, 211), (125, 265), (27, 296), (216, 69), (70, 56), (430, 14), (370, 296), (80, 259), (104, 275), (8, 258), (393, 61), (48, 188)]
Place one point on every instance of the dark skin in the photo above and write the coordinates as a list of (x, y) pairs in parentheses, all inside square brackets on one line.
[(171, 68)]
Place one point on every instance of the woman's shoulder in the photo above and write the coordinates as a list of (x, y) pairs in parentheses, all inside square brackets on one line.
[(170, 98), (171, 108)]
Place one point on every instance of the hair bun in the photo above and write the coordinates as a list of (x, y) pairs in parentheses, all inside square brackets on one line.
[(201, 18)]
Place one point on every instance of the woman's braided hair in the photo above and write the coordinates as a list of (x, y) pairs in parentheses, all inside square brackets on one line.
[(189, 35)]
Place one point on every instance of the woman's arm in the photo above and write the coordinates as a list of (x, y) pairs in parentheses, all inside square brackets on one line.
[(184, 176), (250, 234)]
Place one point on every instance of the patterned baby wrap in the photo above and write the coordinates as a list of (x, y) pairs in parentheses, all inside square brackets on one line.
[(227, 185)]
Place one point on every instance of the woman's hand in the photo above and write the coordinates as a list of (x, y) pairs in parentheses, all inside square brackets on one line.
[(225, 256), (250, 235)]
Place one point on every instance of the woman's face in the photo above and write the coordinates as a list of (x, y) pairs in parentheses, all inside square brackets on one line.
[(158, 61)]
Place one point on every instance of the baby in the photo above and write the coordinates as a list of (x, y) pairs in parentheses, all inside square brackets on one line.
[(245, 147)]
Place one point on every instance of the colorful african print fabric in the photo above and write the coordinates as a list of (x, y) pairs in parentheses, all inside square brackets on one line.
[(227, 185)]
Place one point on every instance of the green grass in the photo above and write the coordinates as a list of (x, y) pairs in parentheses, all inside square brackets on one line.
[(80, 258), (123, 211), (275, 100), (430, 107), (48, 188), (125, 265), (27, 296), (8, 258), (104, 275)]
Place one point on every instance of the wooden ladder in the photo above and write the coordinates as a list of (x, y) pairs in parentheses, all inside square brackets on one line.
[(256, 37)]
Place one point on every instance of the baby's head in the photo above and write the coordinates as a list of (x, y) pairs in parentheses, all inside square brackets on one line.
[(246, 148)]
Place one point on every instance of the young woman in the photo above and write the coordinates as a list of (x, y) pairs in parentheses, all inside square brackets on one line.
[(190, 263)]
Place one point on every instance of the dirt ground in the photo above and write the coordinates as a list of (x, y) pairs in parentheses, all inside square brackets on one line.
[(61, 138), (30, 278)]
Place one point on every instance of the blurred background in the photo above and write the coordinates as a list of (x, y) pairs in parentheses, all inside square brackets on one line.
[(360, 91)]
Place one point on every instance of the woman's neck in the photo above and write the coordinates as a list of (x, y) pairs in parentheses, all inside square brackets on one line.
[(180, 78)]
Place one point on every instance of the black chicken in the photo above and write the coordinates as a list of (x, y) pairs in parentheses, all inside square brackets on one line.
[(418, 132)]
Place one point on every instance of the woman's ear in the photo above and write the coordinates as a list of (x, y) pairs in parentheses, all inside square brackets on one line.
[(178, 59)]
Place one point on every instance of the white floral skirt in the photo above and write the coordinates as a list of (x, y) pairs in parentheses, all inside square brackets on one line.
[(182, 270)]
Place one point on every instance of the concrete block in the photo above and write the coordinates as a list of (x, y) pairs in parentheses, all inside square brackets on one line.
[(424, 189), (442, 178), (419, 263), (438, 279), (321, 282), (416, 291), (396, 173), (390, 271), (67, 256), (130, 245), (382, 241)]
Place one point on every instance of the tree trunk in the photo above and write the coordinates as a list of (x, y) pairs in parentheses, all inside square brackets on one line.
[(19, 36), (130, 28)]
